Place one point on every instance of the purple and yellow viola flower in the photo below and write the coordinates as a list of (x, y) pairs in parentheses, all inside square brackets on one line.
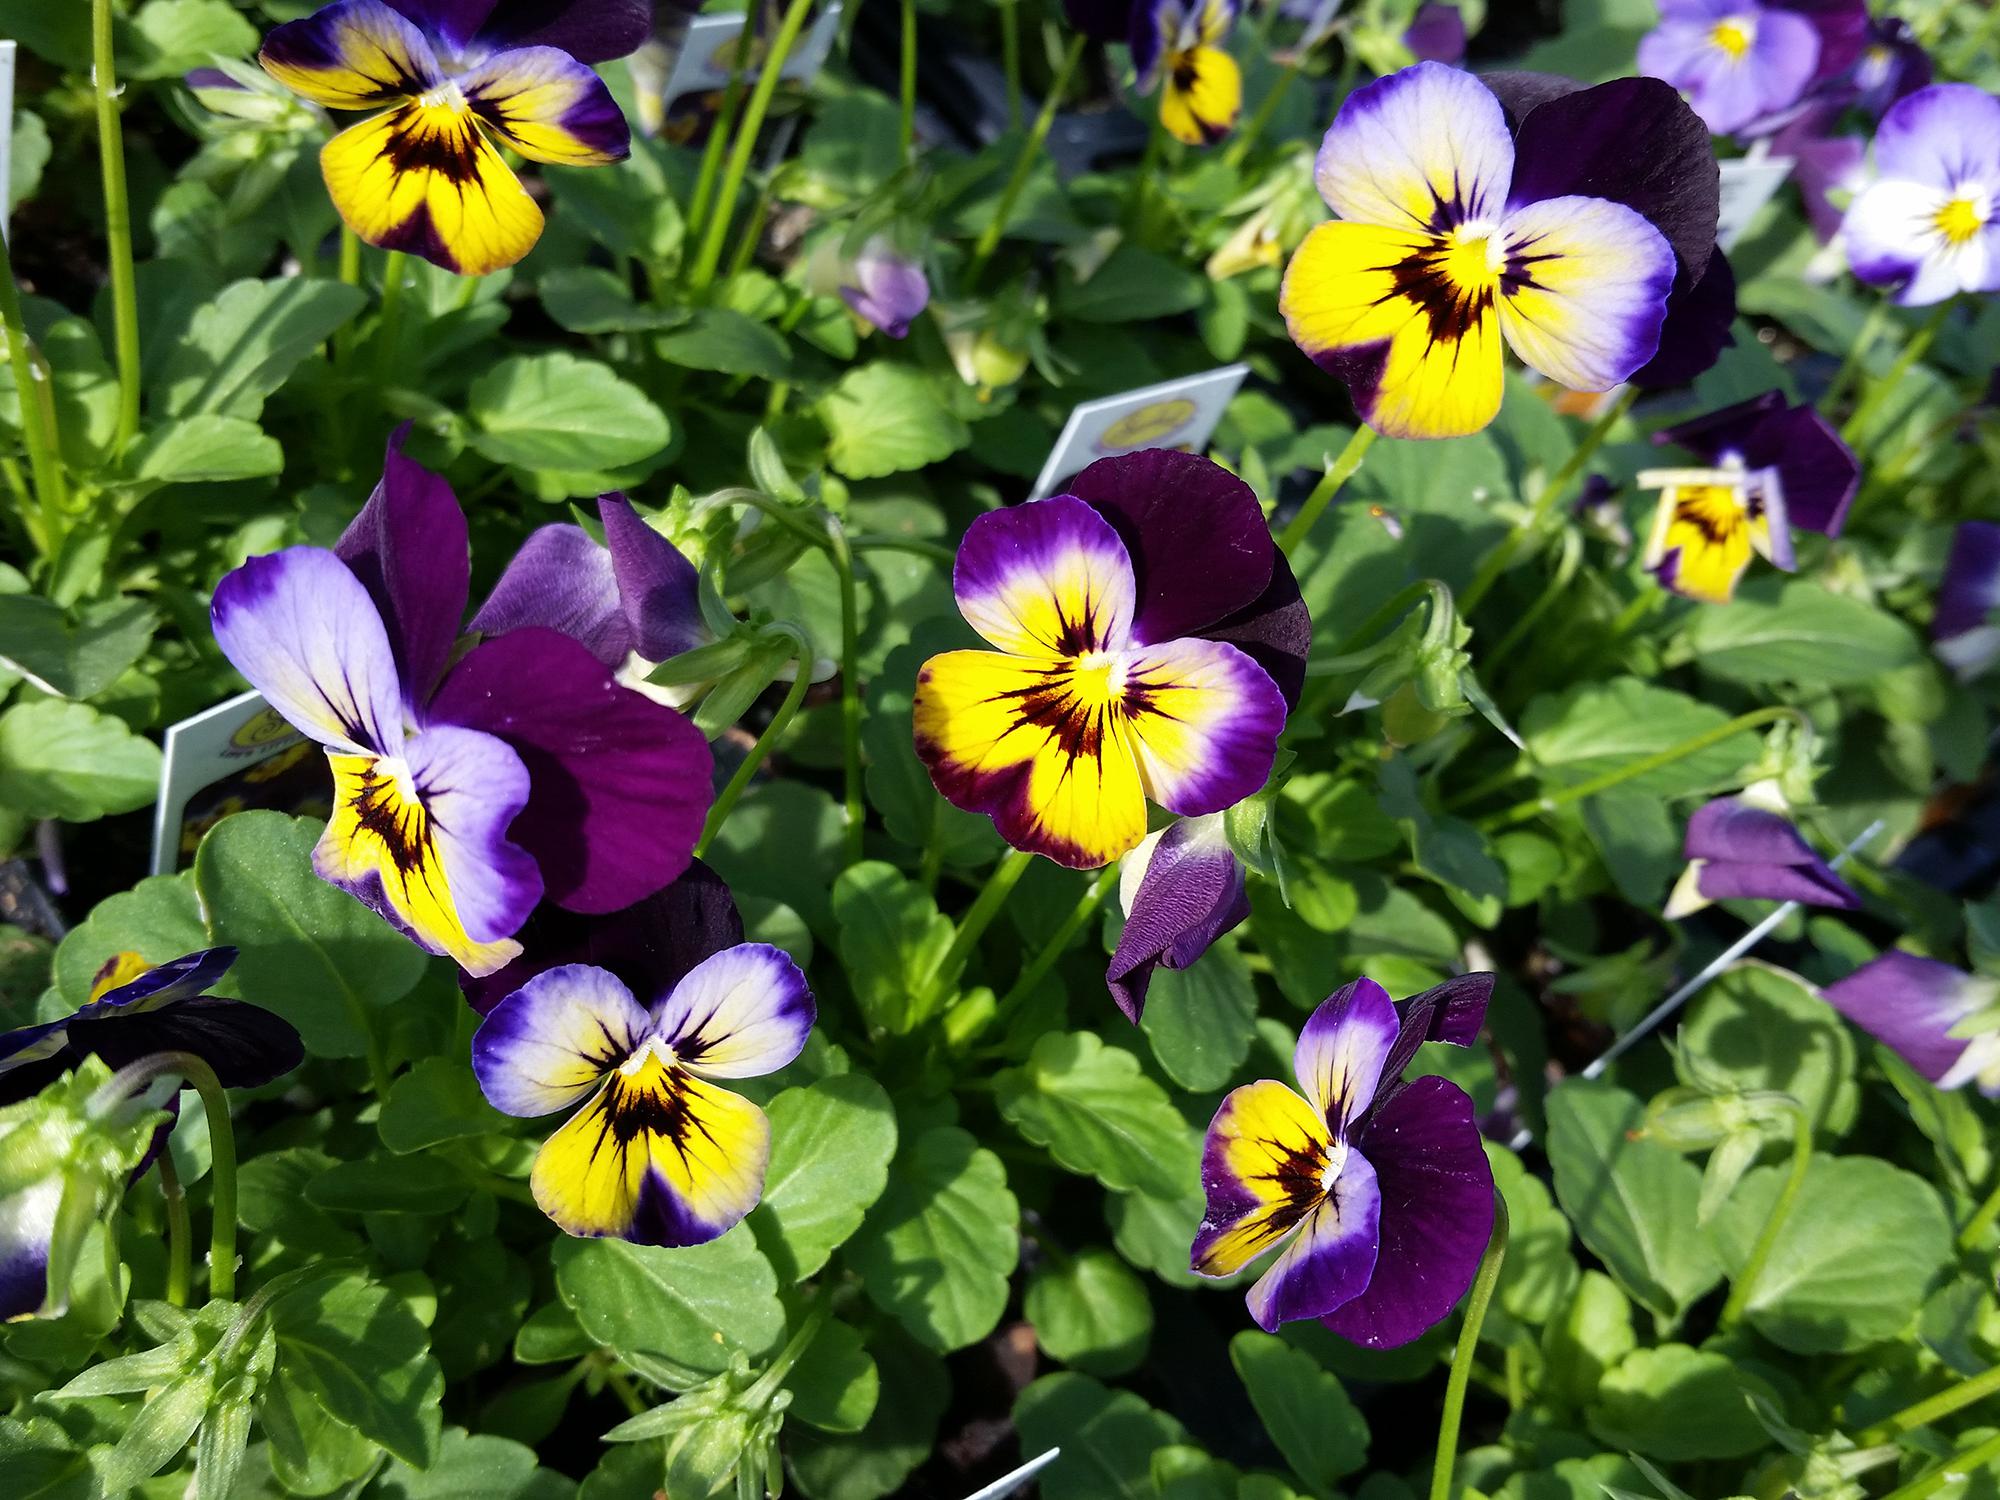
[(1929, 225), (1178, 44), (466, 786), (459, 79), (1772, 468), (1942, 1021), (1747, 848), (1965, 628), (1455, 236), (1377, 1187), (1149, 638), (658, 1154), (1182, 888)]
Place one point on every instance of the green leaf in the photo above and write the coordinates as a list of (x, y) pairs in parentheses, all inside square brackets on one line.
[(389, 1185), (1586, 1338), (1797, 632), (159, 919), (1107, 1438), (206, 449), (437, 1100), (1099, 1115), (1757, 1027), (831, 1144), (1594, 728), (885, 418), (1677, 1403), (915, 1388), (73, 655), (68, 761), (1858, 1251), (555, 411), (715, 338), (892, 939), (693, 1307), (590, 299), (630, 208), (1133, 286), (311, 953), (1198, 1019), (1156, 1232), (365, 1357), (1538, 1278), (1632, 1202), (937, 1248), (474, 1466), (835, 1385), (1305, 1409), (1090, 1311), (246, 343), (167, 38)]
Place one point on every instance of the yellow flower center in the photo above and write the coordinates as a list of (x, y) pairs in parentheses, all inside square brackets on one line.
[(1961, 219), (1472, 258), (1734, 35), (446, 96), (1096, 680)]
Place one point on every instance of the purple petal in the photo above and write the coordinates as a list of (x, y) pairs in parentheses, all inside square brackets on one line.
[(1450, 1012), (245, 1044), (178, 979), (591, 31), (561, 580), (549, 1044), (301, 628), (548, 106), (1701, 311), (453, 22), (1422, 146), (1812, 884), (27, 1226), (1049, 578), (1264, 1165), (892, 290), (1734, 91), (1843, 28), (1203, 721), (1329, 1261), (1822, 164), (621, 784), (1200, 547), (658, 588), (1437, 1214), (408, 547), (1910, 1005), (353, 54), (1969, 592), (1437, 34), (1274, 630), (1190, 893), (1942, 137), (1341, 1051), (740, 1013), (1891, 66), (1817, 472)]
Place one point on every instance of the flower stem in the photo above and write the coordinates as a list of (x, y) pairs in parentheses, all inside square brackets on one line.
[(221, 1150), (1343, 468), (1767, 1238), (906, 125), (759, 752), (1879, 391), (350, 256), (1852, 365), (747, 130), (1923, 1413), (1468, 1346), (1249, 134), (1037, 969), (38, 431), (1981, 1223), (179, 1252), (719, 135), (1545, 503), (1031, 151), (850, 691), (117, 225), (979, 916), (1139, 193), (388, 327), (1953, 1469)]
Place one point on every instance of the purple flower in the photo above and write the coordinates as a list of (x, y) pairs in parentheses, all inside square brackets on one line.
[(1701, 313), (1823, 164), (1381, 1186), (465, 786), (1938, 1019), (1963, 627), (1892, 66), (1746, 848), (1743, 63), (1929, 225), (889, 291), (1437, 34), (1181, 889)]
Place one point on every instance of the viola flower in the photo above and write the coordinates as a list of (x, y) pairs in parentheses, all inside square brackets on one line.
[(1892, 65), (1963, 627), (1700, 323), (1182, 888), (1927, 225), (1823, 165), (888, 292), (1939, 1020), (1772, 468), (1743, 63), (1380, 1185), (1436, 34), (1149, 638), (659, 1155), (460, 78), (464, 789), (1746, 848), (1452, 234), (1179, 45)]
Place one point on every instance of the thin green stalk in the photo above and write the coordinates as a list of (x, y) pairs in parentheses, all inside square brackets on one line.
[(350, 256), (780, 722), (1545, 503), (221, 1151), (719, 134), (1342, 469), (1879, 391), (1248, 136), (388, 327), (753, 231), (914, 546), (1851, 366), (906, 125), (1468, 1345), (44, 453), (1774, 1223), (180, 1252), (1038, 967), (622, 1387), (747, 131), (1024, 164), (1981, 1223), (1010, 52), (1522, 812), (117, 224), (1951, 1471), (850, 691), (1139, 194), (1556, 588), (979, 916), (1922, 1413)]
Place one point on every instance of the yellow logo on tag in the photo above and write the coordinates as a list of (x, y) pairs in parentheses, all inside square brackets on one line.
[(263, 732), (1147, 427)]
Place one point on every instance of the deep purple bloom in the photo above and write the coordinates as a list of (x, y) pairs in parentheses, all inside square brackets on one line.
[(1929, 225), (1437, 33), (1823, 164), (1380, 1184), (1181, 889), (888, 290), (1746, 848), (1920, 1009), (1964, 627), (1744, 63), (1701, 313), (465, 788), (1892, 66)]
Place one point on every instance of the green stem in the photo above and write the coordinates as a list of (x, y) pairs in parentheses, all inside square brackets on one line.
[(221, 1150), (850, 691), (780, 722), (180, 1252), (1468, 1346), (1024, 164), (1522, 812), (1545, 503), (1139, 193), (1951, 1471), (719, 134), (1010, 52), (1879, 391), (1249, 134), (1931, 1408), (747, 130), (1767, 1238), (906, 125), (1855, 361), (1981, 1223), (979, 916), (1045, 959), (117, 225), (622, 1387), (350, 256), (914, 546), (1342, 469), (1557, 588), (388, 327), (44, 456)]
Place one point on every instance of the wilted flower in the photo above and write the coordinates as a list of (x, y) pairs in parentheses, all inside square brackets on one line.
[(464, 789), (659, 1155), (1182, 888), (460, 77), (1773, 468), (1381, 1185), (1148, 637), (1942, 1021), (1926, 225), (1747, 848), (1743, 62), (887, 290), (1178, 44), (1966, 634)]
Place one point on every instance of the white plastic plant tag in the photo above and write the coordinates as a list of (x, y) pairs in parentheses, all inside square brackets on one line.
[(1748, 183), (706, 56), (7, 50), (231, 758), (1015, 1482), (1174, 414)]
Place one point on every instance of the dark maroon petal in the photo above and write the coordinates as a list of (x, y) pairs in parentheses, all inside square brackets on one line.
[(591, 31), (1437, 1214), (1818, 472), (561, 580), (245, 1044), (454, 22), (659, 590), (1633, 141), (1521, 91), (1274, 630), (1714, 433), (619, 784), (1701, 310), (1100, 20), (1193, 891), (1450, 1012), (1970, 588), (30, 1078), (1843, 32), (408, 547), (649, 945), (1201, 550)]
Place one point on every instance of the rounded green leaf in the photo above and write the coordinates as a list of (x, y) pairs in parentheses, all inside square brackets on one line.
[(1099, 1115), (555, 411), (831, 1143), (692, 1307), (1091, 1312)]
